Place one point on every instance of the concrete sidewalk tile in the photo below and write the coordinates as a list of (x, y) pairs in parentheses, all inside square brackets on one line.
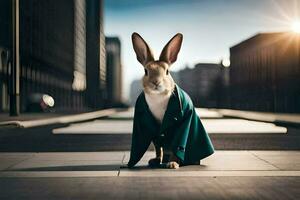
[(279, 157), (10, 159), (60, 119), (241, 126), (284, 160), (276, 153), (149, 173), (7, 162), (288, 166), (15, 155), (220, 160), (231, 152), (176, 173), (113, 156), (67, 165), (208, 113), (98, 127), (111, 161), (59, 174), (129, 114), (212, 126), (233, 161), (202, 112)]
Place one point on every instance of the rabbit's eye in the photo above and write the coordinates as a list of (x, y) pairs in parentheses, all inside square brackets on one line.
[(146, 72), (167, 72)]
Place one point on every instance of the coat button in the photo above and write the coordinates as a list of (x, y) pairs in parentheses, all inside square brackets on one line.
[(162, 135), (180, 148), (175, 118)]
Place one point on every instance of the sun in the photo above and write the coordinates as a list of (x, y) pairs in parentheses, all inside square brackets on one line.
[(296, 26), (226, 62)]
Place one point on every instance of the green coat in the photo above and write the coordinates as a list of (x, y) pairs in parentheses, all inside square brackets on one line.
[(181, 130)]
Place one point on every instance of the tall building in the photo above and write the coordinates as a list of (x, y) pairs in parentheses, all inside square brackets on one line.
[(202, 83), (95, 54), (4, 83), (47, 50), (223, 88), (62, 51), (265, 73), (5, 45), (113, 70)]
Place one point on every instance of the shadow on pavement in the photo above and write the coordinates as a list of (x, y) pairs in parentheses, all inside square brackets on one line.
[(108, 167)]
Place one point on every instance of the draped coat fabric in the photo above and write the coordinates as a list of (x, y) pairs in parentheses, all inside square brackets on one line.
[(181, 130)]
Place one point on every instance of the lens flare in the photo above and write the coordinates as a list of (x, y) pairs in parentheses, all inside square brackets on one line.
[(296, 26), (226, 62)]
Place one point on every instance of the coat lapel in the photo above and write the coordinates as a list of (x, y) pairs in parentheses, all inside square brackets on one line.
[(173, 112)]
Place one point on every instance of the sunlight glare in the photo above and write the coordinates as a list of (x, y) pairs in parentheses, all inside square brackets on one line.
[(226, 62), (296, 26)]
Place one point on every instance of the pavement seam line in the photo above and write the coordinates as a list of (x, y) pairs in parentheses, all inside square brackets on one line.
[(264, 160), (9, 167), (58, 174), (121, 163)]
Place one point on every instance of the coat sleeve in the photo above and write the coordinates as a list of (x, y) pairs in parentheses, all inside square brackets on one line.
[(191, 143), (140, 141), (199, 145)]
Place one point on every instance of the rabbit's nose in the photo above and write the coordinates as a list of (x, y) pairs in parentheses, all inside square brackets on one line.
[(156, 83)]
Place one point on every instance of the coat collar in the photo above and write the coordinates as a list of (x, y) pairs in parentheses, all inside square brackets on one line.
[(174, 109)]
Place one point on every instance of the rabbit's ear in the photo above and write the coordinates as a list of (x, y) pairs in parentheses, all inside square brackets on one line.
[(171, 50), (142, 50)]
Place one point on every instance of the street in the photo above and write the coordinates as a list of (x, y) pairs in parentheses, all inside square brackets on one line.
[(113, 133), (253, 160)]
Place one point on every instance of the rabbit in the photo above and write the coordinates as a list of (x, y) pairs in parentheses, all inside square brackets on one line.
[(158, 85)]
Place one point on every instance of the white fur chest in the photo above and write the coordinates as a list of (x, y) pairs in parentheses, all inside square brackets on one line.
[(157, 104)]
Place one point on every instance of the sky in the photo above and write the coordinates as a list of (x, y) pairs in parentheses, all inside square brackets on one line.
[(209, 27)]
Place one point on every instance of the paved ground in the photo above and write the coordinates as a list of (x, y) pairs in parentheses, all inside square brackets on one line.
[(212, 126), (221, 163), (83, 161), (97, 175), (114, 134), (42, 140), (37, 120), (29, 116), (206, 188)]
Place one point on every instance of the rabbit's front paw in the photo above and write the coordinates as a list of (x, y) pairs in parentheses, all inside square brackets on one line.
[(172, 165)]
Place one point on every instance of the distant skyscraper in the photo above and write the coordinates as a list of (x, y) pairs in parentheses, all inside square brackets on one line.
[(95, 54), (114, 70), (5, 38), (201, 83), (79, 82)]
